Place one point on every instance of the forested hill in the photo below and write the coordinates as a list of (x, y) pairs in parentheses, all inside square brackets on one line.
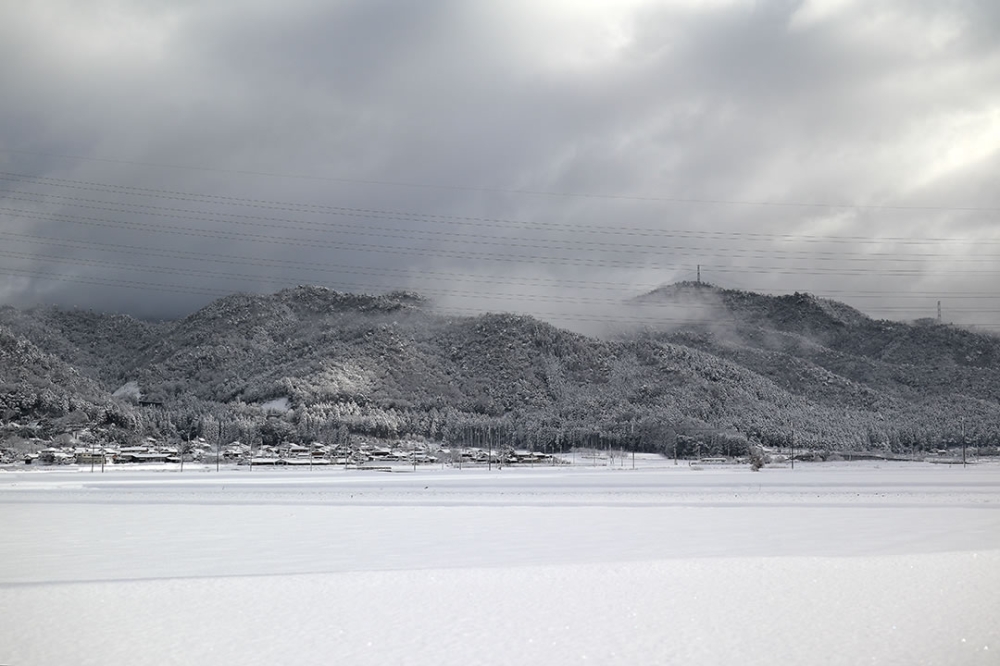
[(697, 363)]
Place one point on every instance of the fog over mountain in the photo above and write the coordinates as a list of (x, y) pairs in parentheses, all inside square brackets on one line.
[(551, 159), (310, 363)]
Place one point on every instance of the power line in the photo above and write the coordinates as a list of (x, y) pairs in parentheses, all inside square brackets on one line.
[(323, 267), (517, 297), (500, 190), (616, 230), (456, 237), (649, 321), (109, 282), (279, 225), (457, 254), (396, 273), (520, 297), (567, 245), (616, 318)]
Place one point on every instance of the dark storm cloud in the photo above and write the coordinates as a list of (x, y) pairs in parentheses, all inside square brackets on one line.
[(549, 157)]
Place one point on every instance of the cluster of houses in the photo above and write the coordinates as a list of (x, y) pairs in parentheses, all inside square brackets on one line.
[(414, 453), (149, 452), (285, 454)]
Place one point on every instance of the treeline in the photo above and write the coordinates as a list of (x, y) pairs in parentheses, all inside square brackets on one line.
[(631, 429)]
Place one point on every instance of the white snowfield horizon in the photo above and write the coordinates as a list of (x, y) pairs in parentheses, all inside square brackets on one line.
[(829, 563)]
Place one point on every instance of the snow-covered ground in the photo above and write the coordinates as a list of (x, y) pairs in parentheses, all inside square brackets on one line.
[(834, 563)]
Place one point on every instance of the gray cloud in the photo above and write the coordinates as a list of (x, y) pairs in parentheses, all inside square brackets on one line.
[(551, 158)]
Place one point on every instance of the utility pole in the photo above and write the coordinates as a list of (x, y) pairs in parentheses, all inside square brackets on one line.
[(939, 312), (632, 441), (963, 441)]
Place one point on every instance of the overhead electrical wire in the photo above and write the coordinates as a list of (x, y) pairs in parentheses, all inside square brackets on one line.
[(616, 318), (616, 230), (396, 233), (113, 282), (325, 227), (703, 252), (452, 254), (519, 297), (390, 272), (499, 190)]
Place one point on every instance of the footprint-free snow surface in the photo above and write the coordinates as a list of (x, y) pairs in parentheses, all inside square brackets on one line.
[(835, 563)]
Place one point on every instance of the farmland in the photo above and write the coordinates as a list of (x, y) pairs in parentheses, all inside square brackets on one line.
[(893, 562)]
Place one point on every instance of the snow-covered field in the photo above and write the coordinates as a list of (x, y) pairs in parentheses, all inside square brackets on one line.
[(833, 563)]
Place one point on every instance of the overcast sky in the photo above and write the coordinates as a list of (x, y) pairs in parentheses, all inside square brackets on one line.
[(550, 157)]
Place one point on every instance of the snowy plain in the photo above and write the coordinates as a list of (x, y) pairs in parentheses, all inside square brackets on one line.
[(827, 563)]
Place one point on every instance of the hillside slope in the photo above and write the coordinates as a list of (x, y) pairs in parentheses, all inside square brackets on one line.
[(709, 365)]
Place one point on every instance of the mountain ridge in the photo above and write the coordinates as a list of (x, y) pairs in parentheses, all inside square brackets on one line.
[(704, 361)]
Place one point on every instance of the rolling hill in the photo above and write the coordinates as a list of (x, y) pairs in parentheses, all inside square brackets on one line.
[(705, 366)]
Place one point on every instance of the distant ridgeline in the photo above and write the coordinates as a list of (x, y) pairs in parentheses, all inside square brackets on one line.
[(694, 366)]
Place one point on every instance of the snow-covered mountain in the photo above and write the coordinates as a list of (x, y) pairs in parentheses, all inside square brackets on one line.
[(696, 364)]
